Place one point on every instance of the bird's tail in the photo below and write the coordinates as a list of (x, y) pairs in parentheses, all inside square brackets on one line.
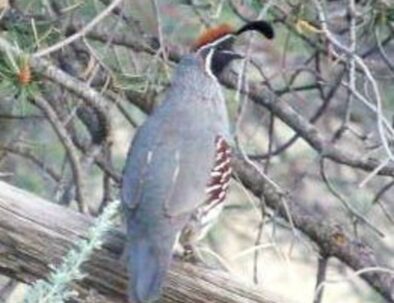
[(147, 264)]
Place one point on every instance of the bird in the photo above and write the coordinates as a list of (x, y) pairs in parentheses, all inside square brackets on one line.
[(178, 166)]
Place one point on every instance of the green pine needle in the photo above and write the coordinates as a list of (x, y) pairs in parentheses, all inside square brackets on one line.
[(57, 288)]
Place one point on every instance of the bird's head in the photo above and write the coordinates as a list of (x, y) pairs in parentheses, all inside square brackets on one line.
[(215, 45)]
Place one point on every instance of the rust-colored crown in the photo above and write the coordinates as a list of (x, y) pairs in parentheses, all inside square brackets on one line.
[(212, 34)]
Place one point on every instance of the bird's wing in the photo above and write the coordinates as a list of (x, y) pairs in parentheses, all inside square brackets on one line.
[(170, 173)]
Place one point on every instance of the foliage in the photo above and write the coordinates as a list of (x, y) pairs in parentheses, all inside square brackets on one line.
[(58, 287)]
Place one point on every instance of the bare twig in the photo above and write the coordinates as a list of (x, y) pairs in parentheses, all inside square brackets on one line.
[(330, 238), (321, 276), (28, 154), (69, 147), (80, 33)]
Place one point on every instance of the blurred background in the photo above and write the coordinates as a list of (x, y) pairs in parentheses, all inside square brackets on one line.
[(331, 62)]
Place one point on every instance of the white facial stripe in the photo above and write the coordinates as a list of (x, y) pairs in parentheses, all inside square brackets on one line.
[(208, 61), (218, 41)]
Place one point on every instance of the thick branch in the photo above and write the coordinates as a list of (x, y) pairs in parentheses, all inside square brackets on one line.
[(306, 130), (332, 240), (35, 233), (282, 110)]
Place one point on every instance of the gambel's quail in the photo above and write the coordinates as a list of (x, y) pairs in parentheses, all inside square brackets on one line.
[(178, 166)]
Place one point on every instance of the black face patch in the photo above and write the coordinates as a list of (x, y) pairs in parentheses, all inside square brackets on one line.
[(221, 59)]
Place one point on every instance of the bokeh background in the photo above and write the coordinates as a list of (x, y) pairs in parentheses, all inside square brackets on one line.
[(302, 67)]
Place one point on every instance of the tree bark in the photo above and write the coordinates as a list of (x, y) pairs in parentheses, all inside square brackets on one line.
[(35, 233)]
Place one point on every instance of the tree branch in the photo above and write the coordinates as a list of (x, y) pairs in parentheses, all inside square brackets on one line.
[(80, 33), (332, 240), (50, 71), (255, 92), (35, 233)]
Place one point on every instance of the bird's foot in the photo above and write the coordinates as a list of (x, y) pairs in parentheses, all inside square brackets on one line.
[(192, 255), (189, 253)]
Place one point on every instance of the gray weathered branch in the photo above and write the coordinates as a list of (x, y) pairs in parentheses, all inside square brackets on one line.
[(35, 233)]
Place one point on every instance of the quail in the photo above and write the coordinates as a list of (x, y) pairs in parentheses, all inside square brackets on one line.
[(178, 167)]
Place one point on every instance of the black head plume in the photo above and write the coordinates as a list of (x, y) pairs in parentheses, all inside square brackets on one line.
[(260, 26)]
